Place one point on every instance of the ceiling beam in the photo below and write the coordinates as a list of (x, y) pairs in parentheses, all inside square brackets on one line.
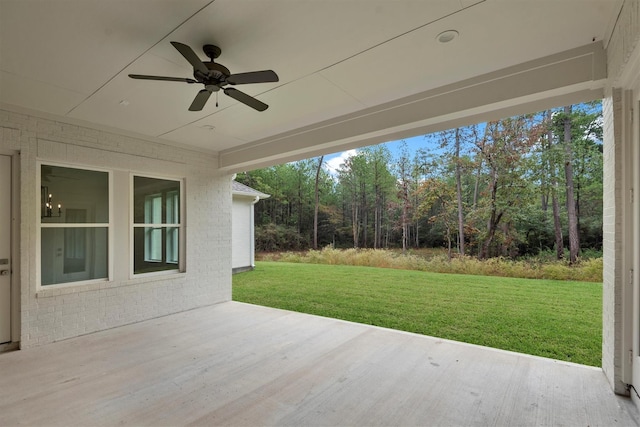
[(569, 77)]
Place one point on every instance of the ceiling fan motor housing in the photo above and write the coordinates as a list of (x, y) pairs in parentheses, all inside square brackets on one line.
[(217, 74), (212, 51)]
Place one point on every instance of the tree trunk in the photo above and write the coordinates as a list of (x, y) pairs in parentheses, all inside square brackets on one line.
[(376, 206), (299, 225), (476, 189), (494, 218), (365, 213), (317, 204), (405, 226), (405, 215), (557, 226), (459, 194), (448, 241), (574, 237), (376, 230), (354, 226)]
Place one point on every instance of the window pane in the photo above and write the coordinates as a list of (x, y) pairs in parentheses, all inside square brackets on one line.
[(73, 254), (173, 206), (153, 209), (75, 250), (172, 244), (146, 211), (66, 191), (156, 205), (153, 244), (150, 254)]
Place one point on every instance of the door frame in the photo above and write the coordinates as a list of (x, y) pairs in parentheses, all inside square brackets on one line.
[(15, 251)]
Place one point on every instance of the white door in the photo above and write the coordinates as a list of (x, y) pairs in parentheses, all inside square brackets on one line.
[(5, 249)]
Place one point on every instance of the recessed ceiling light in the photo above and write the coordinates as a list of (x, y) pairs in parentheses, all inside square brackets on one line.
[(447, 36)]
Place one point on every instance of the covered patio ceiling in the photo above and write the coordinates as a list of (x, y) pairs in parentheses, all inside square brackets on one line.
[(352, 72)]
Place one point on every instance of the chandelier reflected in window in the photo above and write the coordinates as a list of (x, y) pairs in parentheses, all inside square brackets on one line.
[(47, 209)]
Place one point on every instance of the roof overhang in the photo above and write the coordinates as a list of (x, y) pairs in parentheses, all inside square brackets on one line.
[(574, 76)]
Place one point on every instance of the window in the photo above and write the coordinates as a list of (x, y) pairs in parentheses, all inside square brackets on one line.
[(74, 225), (156, 224)]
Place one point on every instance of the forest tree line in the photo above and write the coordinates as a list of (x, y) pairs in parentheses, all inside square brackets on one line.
[(510, 187)]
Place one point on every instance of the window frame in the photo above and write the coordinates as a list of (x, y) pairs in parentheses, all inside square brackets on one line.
[(180, 226), (40, 226)]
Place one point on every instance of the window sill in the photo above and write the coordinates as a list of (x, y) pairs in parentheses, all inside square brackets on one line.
[(70, 288)]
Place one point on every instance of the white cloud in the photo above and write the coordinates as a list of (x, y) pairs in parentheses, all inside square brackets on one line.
[(333, 164)]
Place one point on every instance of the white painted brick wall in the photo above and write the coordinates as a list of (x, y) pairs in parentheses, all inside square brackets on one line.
[(612, 228), (53, 314), (620, 49), (623, 39)]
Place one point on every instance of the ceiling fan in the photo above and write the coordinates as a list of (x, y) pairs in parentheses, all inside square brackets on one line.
[(214, 77)]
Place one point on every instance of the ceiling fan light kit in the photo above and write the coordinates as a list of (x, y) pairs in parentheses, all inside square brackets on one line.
[(215, 76)]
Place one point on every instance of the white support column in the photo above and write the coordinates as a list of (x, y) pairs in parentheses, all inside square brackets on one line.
[(612, 293), (620, 223), (627, 236)]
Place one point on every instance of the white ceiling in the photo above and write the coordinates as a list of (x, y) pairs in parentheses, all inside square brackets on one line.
[(335, 58)]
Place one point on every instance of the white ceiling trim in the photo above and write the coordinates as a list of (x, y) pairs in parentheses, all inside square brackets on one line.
[(103, 128)]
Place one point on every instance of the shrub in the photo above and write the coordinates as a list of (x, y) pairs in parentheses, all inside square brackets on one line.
[(589, 269), (271, 237)]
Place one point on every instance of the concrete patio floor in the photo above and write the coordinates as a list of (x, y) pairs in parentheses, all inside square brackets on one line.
[(239, 364)]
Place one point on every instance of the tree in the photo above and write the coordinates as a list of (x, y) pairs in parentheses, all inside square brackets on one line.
[(382, 181), (587, 172), (503, 153), (352, 178), (316, 203), (555, 206), (459, 194), (451, 142), (439, 196), (505, 177), (403, 184), (574, 236)]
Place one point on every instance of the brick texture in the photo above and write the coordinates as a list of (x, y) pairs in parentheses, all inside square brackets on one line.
[(621, 49), (55, 313), (612, 240)]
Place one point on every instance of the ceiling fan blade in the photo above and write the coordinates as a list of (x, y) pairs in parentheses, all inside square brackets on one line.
[(162, 78), (200, 99), (191, 56), (245, 99), (265, 76)]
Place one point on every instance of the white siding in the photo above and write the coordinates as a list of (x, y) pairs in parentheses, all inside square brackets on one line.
[(242, 242)]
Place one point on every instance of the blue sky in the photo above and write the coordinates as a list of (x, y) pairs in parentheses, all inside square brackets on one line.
[(333, 161)]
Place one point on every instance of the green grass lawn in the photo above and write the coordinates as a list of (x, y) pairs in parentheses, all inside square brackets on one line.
[(557, 319)]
